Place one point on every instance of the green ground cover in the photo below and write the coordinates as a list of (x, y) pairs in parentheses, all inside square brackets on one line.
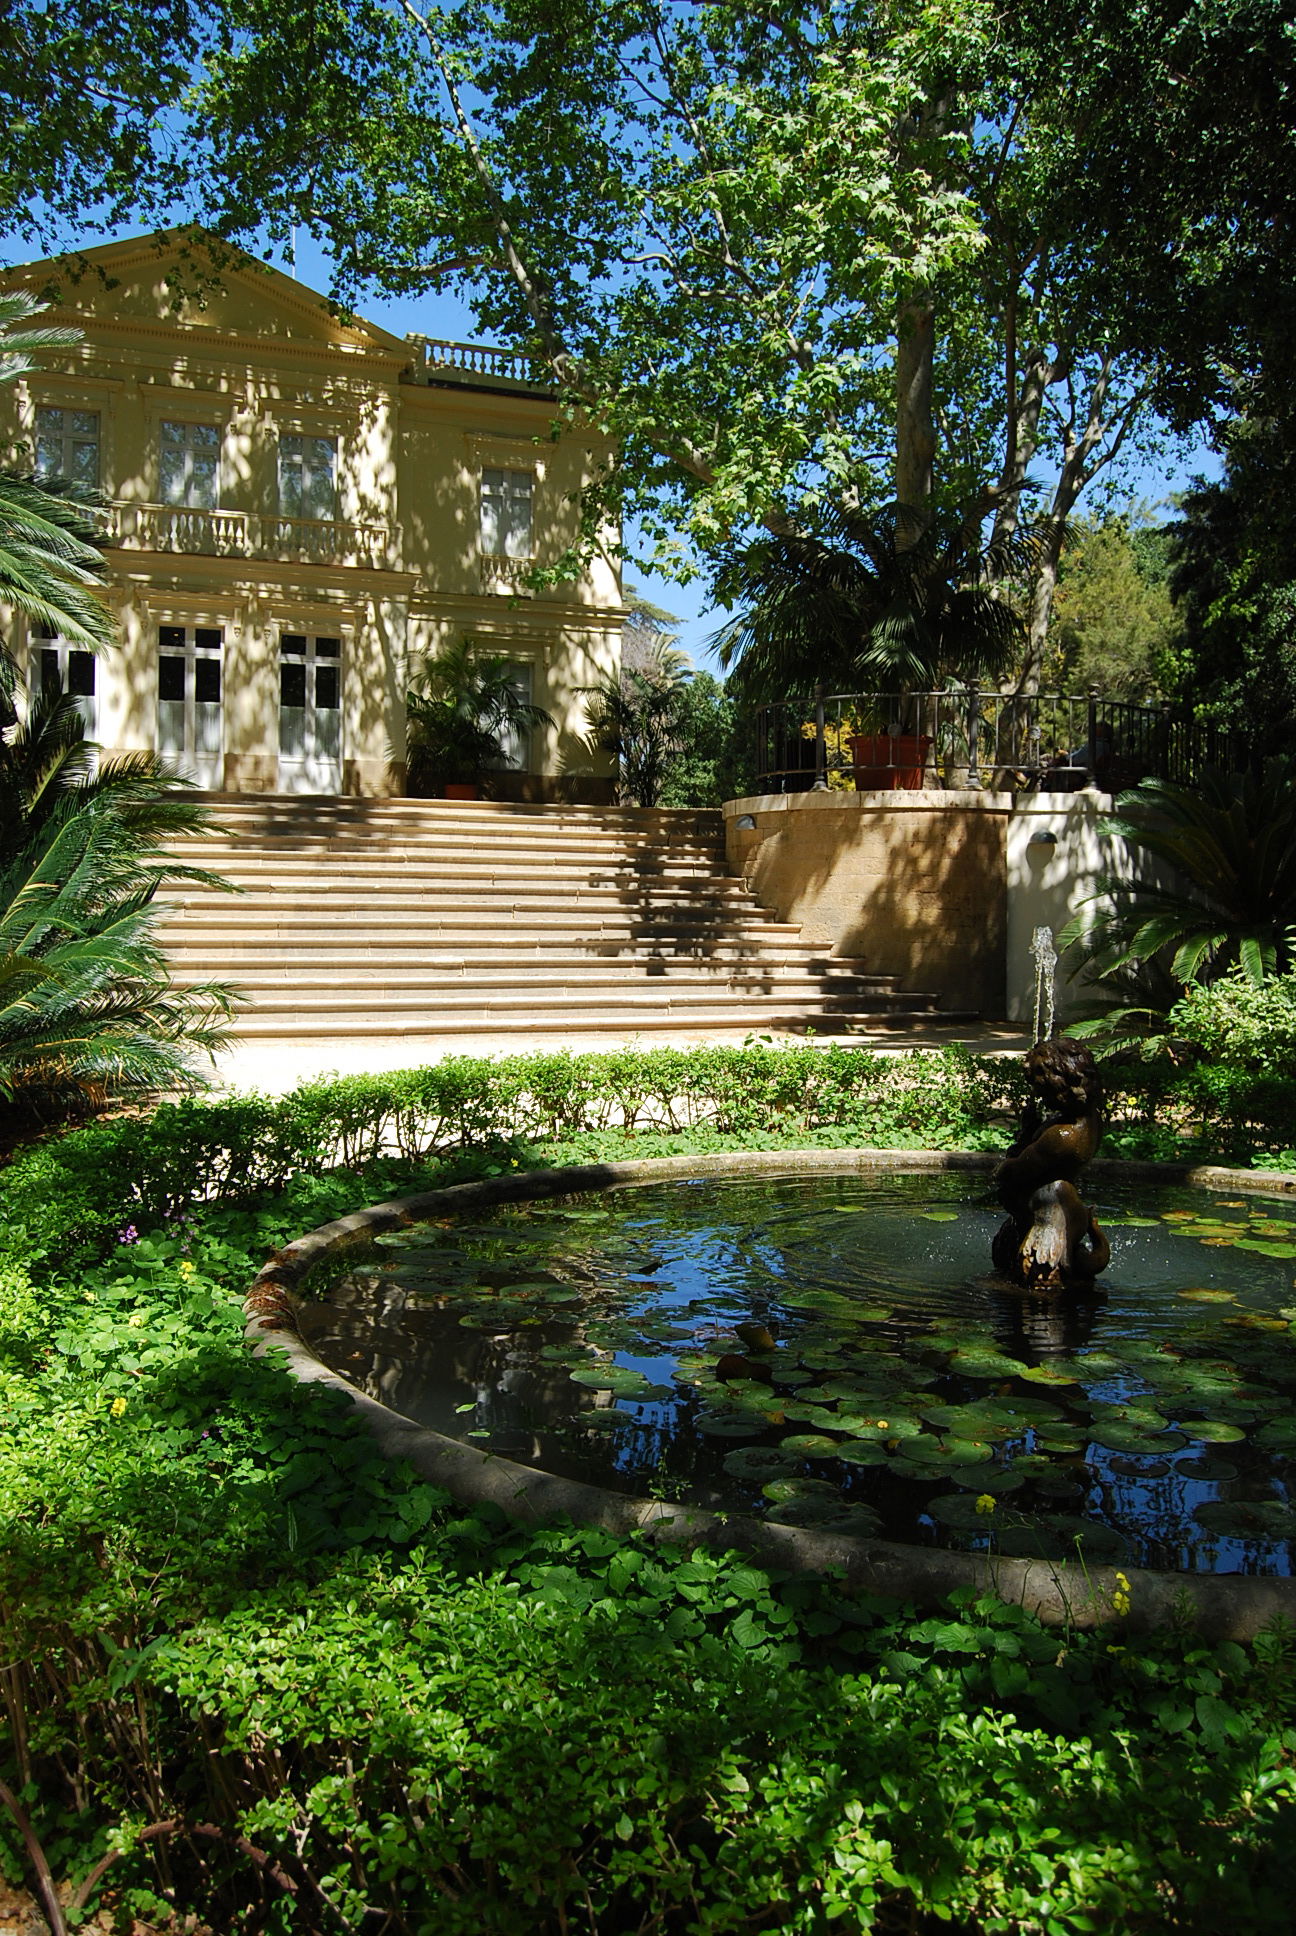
[(255, 1674)]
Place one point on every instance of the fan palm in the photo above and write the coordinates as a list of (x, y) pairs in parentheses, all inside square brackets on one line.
[(872, 601), (1216, 885)]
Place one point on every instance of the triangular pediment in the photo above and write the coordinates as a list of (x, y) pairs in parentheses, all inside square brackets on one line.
[(189, 280)]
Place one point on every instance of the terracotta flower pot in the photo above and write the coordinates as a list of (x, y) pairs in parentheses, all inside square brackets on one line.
[(889, 759), (462, 790)]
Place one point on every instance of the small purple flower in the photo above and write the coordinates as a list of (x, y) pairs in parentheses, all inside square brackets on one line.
[(128, 1234)]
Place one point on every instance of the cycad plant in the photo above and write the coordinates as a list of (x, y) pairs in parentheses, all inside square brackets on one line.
[(868, 603), (51, 563), (1214, 887), (87, 1010)]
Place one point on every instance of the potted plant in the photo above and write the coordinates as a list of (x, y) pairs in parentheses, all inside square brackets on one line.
[(460, 715)]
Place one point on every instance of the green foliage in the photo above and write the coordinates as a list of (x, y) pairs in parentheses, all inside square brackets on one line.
[(1215, 884), (225, 1612), (51, 563), (461, 714), (1113, 625), (1234, 581), (87, 1010), (869, 600), (637, 717), (714, 763)]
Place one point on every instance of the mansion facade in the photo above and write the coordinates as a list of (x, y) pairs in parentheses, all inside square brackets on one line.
[(301, 509)]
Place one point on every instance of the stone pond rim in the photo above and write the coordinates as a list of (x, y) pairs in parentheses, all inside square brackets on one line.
[(1070, 1593)]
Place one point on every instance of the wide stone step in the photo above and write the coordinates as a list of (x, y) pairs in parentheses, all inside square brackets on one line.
[(558, 1014), (263, 984), (468, 871), (317, 954)]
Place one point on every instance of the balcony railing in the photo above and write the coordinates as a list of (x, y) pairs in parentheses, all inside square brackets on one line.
[(433, 356), (506, 575), (1045, 742), (247, 534)]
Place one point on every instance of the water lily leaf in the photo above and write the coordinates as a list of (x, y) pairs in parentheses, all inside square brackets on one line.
[(1278, 1436), (619, 1379), (1264, 1247), (1212, 1431), (605, 1418), (1048, 1375), (939, 1216), (810, 1445), (1206, 1466), (862, 1452), (985, 1364), (804, 1512), (728, 1425), (1120, 1437), (994, 1479), (949, 1451), (1202, 1296), (795, 1487), (759, 1463), (1248, 1518), (886, 1426), (855, 1521)]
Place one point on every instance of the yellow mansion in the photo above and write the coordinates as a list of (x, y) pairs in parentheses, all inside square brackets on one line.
[(300, 509)]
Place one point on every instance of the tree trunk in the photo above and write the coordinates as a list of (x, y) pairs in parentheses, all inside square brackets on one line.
[(915, 423)]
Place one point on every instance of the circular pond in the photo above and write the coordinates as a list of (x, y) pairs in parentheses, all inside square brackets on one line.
[(832, 1350)]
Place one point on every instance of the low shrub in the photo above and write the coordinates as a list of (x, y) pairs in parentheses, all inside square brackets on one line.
[(256, 1674)]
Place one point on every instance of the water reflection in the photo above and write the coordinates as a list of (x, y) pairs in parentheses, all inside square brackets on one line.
[(1149, 1421)]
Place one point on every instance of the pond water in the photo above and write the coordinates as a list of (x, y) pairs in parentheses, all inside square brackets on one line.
[(878, 1379)]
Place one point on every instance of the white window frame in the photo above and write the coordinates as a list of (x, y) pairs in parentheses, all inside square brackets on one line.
[(63, 650), (303, 453), (196, 643), (507, 516), (69, 441), (191, 447)]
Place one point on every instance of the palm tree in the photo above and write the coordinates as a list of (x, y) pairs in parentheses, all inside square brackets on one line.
[(639, 716), (461, 713), (869, 602), (1216, 887)]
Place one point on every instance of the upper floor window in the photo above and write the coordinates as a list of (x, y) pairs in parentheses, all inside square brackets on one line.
[(190, 465), (67, 444), (308, 477), (506, 514)]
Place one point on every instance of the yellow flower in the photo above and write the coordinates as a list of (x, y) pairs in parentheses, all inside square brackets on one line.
[(135, 1320), (1121, 1596), (187, 1269), (882, 1424), (117, 1407), (985, 1503)]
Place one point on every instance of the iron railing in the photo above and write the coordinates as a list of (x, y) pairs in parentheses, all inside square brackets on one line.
[(963, 737)]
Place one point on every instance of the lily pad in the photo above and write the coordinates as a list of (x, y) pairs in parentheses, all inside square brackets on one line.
[(759, 1463), (1207, 1466), (1120, 1437), (1212, 1431), (939, 1216), (1203, 1296), (948, 1451), (605, 1418), (618, 1379), (1127, 1467), (810, 1445), (985, 1364), (1248, 1518), (795, 1487), (728, 1425), (862, 1452)]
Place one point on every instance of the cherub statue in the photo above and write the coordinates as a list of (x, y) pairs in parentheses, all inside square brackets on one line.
[(1052, 1239)]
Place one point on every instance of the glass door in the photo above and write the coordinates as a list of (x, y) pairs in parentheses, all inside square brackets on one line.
[(310, 713), (190, 717), (56, 664)]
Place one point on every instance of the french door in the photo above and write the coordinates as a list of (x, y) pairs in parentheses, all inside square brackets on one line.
[(310, 713), (191, 730)]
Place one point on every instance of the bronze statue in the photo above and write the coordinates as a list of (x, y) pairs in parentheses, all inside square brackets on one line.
[(1051, 1239)]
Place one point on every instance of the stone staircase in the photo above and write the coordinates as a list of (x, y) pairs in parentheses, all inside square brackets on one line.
[(415, 920)]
